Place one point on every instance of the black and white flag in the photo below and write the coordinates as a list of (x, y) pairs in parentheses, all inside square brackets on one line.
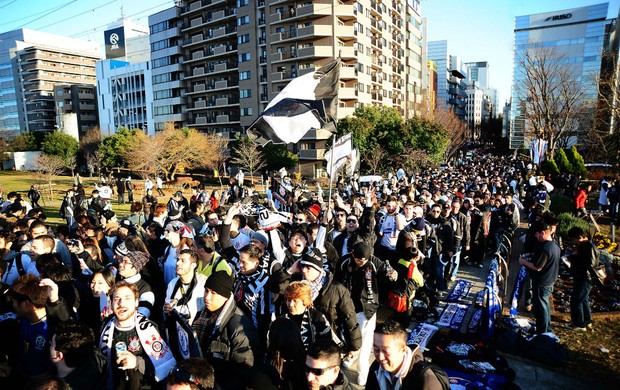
[(307, 102)]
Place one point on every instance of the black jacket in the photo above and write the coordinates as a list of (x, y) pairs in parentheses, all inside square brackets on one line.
[(334, 301), (227, 344), (362, 282), (364, 232)]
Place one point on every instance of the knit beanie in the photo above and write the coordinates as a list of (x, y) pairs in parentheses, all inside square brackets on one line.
[(138, 259), (121, 250), (315, 210), (311, 259), (220, 283)]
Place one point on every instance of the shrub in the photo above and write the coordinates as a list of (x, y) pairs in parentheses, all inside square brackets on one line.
[(577, 163), (562, 161), (549, 167), (568, 221), (561, 204)]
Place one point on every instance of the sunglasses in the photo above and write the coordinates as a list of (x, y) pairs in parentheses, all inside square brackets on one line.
[(299, 220), (185, 376), (351, 220), (317, 371)]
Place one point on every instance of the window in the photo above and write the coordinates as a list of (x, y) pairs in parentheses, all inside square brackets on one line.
[(159, 45), (159, 27), (243, 57), (157, 63), (243, 20), (246, 111), (244, 75), (245, 93), (245, 38), (162, 78), (165, 94), (242, 3)]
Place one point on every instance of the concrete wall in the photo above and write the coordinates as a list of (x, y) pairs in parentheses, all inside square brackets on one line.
[(21, 161)]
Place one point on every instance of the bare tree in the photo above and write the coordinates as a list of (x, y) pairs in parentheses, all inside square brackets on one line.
[(220, 155), (456, 129), (415, 160), (374, 159), (47, 168), (249, 157), (550, 94)]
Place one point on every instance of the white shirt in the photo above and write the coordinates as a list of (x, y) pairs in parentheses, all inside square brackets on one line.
[(197, 301)]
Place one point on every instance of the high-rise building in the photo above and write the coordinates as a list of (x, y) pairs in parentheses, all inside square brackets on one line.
[(451, 78), (31, 64), (577, 34), (237, 55), (478, 74)]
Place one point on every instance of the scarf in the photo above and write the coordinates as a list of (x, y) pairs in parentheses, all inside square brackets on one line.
[(317, 284), (250, 293), (154, 346)]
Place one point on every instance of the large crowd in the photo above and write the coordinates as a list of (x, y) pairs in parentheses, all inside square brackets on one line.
[(281, 290)]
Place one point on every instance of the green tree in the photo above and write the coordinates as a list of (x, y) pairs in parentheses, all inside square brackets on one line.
[(576, 161), (24, 143), (426, 135), (549, 167), (278, 156), (113, 148), (562, 162), (60, 145)]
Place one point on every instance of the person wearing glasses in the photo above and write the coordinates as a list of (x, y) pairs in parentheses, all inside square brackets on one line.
[(191, 374), (323, 367), (357, 229)]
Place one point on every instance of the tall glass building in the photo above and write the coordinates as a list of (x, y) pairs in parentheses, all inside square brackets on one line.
[(577, 34)]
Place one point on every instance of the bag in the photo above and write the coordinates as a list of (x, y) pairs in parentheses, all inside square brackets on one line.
[(600, 274), (61, 212), (397, 301), (418, 370)]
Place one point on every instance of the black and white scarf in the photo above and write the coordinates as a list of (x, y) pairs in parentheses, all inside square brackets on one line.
[(317, 284)]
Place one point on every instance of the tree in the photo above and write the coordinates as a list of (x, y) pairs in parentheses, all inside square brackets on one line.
[(171, 151), (564, 166), (113, 148), (89, 149), (549, 167), (24, 142), (576, 162), (549, 92), (248, 156), (4, 147), (62, 146), (47, 167), (456, 130), (374, 159), (278, 156), (427, 135)]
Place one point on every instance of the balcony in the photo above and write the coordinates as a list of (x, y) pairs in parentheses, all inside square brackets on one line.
[(317, 134), (221, 84), (222, 118), (347, 93), (347, 52), (317, 30), (348, 72), (200, 104), (345, 111), (199, 88), (315, 51), (264, 97)]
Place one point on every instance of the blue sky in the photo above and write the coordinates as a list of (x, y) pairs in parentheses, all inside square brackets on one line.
[(483, 30), (476, 30)]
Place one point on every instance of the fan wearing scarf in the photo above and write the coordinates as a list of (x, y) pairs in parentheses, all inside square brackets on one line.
[(135, 351), (329, 297)]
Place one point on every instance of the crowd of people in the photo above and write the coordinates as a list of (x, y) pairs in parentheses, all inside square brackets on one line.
[(278, 290)]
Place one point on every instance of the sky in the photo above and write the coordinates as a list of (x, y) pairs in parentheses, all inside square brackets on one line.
[(476, 30), (483, 30)]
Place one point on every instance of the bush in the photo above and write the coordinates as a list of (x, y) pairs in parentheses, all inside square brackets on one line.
[(577, 163), (568, 221), (562, 161), (561, 204), (549, 167)]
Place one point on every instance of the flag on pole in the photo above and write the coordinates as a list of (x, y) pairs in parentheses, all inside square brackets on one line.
[(341, 153), (307, 102)]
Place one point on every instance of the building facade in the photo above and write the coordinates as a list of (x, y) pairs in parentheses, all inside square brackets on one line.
[(451, 78), (576, 34), (78, 99), (125, 96), (31, 64), (237, 55)]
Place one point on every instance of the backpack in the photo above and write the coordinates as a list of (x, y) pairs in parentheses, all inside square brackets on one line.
[(418, 370), (61, 212), (16, 262)]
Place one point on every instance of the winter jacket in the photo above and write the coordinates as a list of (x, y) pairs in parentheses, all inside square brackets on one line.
[(364, 232), (226, 344), (334, 301)]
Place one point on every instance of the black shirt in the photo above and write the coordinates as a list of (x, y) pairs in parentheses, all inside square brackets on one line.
[(547, 260)]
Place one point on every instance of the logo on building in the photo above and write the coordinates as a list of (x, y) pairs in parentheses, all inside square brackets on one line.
[(114, 42), (558, 17)]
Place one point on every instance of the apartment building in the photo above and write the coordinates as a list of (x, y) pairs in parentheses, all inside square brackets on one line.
[(31, 64), (237, 55), (78, 99), (451, 78)]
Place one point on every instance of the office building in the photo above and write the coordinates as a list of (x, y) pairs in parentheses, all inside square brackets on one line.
[(451, 78), (125, 96), (127, 41), (478, 74), (577, 35), (78, 99), (31, 64), (237, 55)]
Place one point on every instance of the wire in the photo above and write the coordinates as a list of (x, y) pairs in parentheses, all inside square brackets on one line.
[(49, 13), (75, 16), (6, 5), (29, 16)]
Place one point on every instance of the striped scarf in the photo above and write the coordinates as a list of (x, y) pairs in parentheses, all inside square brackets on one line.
[(317, 284)]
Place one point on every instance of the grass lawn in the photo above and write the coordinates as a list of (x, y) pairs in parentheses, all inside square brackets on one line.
[(21, 181)]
